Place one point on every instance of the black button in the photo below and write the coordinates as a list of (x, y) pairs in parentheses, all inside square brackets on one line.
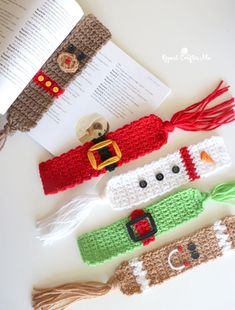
[(159, 176), (81, 55), (175, 169), (71, 48), (143, 183), (191, 246), (195, 255)]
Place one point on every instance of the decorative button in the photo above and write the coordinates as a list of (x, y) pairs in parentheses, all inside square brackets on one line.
[(40, 78), (48, 83), (195, 255), (71, 48), (175, 169), (159, 176), (191, 246), (81, 56), (55, 89), (143, 183)]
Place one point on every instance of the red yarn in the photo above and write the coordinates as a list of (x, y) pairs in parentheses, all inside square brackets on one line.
[(136, 139), (197, 117), (49, 89), (142, 227), (188, 163)]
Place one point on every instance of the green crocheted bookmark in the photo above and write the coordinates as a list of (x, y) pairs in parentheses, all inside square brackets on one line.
[(105, 243)]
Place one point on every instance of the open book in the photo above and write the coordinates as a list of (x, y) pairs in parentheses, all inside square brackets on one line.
[(111, 91)]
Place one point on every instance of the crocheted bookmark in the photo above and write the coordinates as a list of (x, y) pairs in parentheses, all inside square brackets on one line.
[(130, 142), (65, 64), (144, 225), (139, 274), (140, 185), (170, 172)]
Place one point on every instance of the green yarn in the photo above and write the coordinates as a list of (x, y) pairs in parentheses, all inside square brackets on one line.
[(105, 243), (223, 192)]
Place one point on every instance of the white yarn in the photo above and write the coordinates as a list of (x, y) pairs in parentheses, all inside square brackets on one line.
[(222, 237), (66, 219), (123, 191), (140, 273), (178, 268)]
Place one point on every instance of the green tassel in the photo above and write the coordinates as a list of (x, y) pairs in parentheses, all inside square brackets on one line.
[(223, 192)]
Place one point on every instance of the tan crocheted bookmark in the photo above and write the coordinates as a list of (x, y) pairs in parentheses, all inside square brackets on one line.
[(65, 64), (139, 274)]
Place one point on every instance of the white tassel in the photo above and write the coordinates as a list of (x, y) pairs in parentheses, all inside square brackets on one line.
[(62, 222)]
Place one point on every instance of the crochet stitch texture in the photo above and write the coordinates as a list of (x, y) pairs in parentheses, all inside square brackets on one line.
[(106, 243), (155, 263), (124, 190), (89, 35), (143, 225), (139, 274), (130, 142)]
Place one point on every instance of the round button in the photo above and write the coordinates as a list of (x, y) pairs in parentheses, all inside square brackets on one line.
[(195, 255), (71, 48), (143, 183), (191, 246), (55, 89), (159, 176), (48, 83), (175, 169), (41, 78)]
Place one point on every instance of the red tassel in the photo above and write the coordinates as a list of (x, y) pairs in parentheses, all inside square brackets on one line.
[(197, 117)]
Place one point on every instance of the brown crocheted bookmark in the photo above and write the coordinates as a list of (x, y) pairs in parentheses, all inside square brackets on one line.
[(139, 274), (65, 64)]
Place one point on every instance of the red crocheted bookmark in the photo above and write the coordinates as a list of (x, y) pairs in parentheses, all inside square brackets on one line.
[(134, 140)]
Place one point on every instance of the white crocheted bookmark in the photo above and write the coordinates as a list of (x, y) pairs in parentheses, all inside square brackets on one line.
[(168, 173)]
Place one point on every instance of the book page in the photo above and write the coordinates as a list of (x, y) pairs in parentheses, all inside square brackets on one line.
[(30, 31), (113, 90)]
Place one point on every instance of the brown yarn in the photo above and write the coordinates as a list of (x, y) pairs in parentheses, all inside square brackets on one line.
[(4, 133), (155, 267), (88, 36), (58, 298)]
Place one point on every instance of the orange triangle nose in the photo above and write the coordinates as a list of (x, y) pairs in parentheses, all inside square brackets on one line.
[(206, 157)]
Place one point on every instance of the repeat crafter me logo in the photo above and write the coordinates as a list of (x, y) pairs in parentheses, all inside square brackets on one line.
[(185, 56)]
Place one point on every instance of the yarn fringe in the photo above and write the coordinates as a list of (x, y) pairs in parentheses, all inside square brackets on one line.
[(66, 219), (223, 192), (198, 117), (4, 133), (60, 297)]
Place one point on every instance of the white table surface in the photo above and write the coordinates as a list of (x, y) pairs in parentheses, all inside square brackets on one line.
[(146, 29)]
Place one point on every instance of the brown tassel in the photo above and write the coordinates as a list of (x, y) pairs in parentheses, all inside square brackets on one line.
[(58, 298), (4, 133)]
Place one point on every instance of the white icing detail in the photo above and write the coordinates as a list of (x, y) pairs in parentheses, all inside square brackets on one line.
[(140, 273), (123, 191), (216, 149), (222, 237), (178, 268)]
